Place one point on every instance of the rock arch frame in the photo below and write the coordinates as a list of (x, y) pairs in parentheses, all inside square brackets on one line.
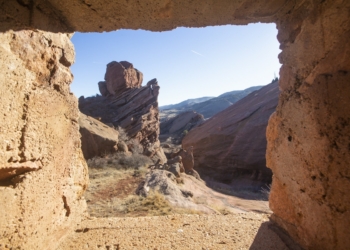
[(42, 172)]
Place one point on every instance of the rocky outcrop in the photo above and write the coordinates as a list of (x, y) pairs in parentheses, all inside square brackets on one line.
[(43, 174), (119, 77), (232, 144), (127, 104), (176, 127), (184, 121), (165, 182), (97, 138)]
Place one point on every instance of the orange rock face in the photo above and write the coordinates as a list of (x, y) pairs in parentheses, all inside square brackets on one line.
[(42, 171), (309, 135), (121, 76)]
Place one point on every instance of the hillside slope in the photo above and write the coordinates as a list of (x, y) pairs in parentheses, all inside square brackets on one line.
[(233, 142), (207, 106)]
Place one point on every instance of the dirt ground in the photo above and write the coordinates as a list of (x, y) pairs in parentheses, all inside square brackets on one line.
[(203, 232), (111, 193), (235, 223)]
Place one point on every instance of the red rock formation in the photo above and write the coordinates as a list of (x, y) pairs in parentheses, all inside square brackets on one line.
[(232, 144), (97, 138), (308, 142), (121, 76), (129, 106)]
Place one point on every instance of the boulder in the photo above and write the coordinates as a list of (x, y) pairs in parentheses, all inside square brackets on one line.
[(232, 144), (175, 169), (97, 138), (187, 158), (121, 76)]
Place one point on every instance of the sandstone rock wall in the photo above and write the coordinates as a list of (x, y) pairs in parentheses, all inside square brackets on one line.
[(158, 15), (309, 135), (232, 144), (42, 171)]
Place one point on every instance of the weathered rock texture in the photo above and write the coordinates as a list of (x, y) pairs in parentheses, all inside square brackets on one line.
[(96, 15), (308, 137), (97, 139), (42, 171), (129, 105), (232, 144), (119, 77)]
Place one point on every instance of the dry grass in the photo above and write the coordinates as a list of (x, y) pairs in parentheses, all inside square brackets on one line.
[(154, 204), (113, 181), (120, 161)]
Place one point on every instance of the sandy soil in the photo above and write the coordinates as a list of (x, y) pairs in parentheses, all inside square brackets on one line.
[(202, 232)]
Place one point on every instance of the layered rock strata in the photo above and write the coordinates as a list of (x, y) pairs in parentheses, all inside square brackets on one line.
[(232, 144), (43, 174), (127, 104)]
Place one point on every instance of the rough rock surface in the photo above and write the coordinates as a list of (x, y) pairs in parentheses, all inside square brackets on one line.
[(97, 16), (97, 138), (43, 174), (164, 182), (128, 105), (119, 77), (232, 144), (314, 37), (309, 135)]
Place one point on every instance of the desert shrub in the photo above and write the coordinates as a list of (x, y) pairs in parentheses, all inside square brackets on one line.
[(123, 136), (120, 161), (134, 161), (134, 146)]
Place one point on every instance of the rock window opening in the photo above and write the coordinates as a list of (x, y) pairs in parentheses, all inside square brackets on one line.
[(149, 156)]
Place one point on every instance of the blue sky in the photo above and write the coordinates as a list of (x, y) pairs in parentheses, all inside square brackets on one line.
[(188, 62)]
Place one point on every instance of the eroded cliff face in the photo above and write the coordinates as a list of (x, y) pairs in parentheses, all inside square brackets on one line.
[(230, 147), (42, 172), (309, 135)]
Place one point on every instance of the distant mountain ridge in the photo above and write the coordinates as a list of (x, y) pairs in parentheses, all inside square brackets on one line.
[(186, 103), (209, 106)]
